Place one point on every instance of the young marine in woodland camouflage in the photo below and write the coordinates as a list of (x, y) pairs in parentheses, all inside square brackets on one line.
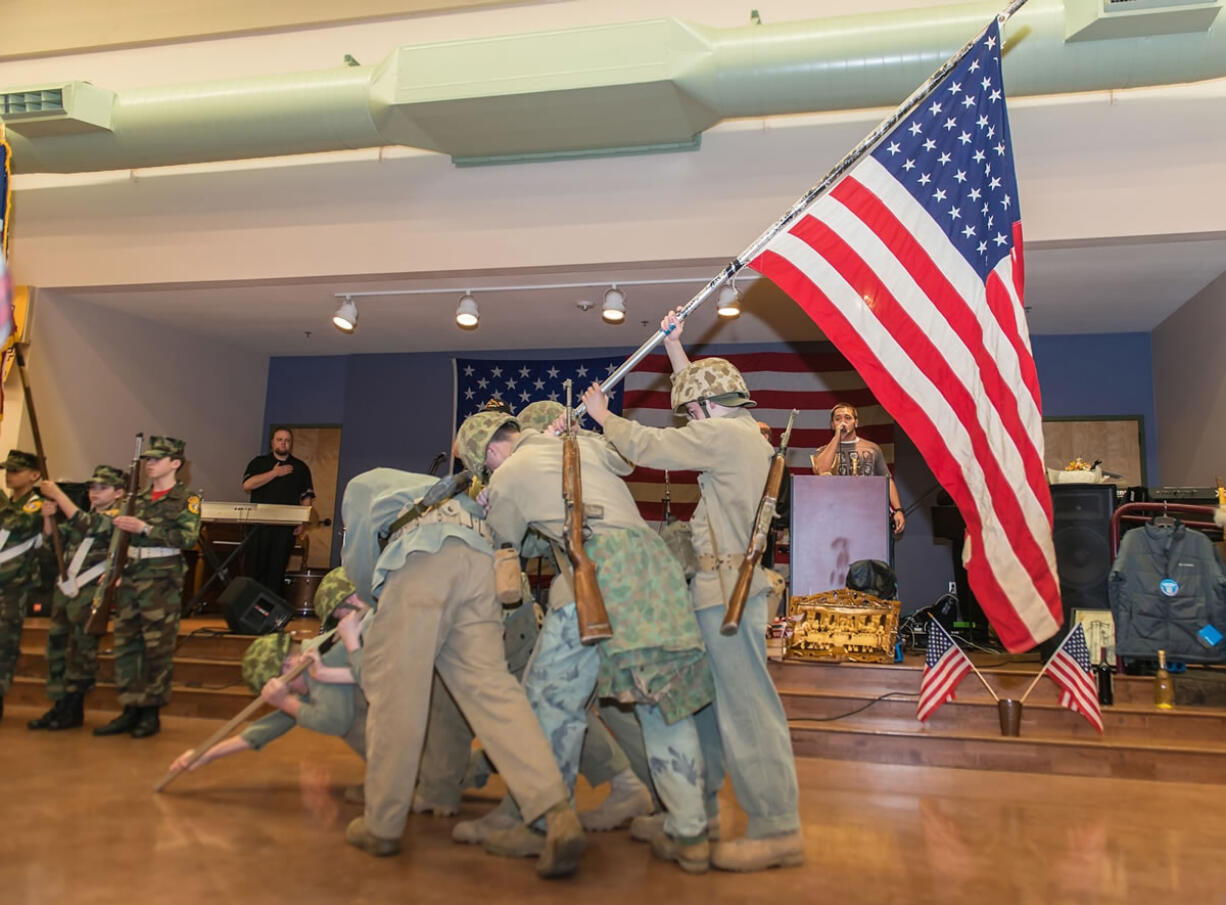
[(166, 522), (21, 524), (749, 730), (72, 652)]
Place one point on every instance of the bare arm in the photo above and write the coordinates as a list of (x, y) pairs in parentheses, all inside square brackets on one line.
[(672, 343), (259, 480)]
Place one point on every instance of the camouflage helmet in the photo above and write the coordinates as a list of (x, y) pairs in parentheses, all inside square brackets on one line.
[(540, 414), (264, 659), (474, 438), (109, 475), (715, 379), (333, 590)]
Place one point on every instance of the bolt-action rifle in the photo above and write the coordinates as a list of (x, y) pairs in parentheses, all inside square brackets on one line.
[(589, 603), (116, 556)]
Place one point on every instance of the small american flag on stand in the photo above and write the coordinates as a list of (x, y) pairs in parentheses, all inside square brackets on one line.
[(945, 665), (1070, 669)]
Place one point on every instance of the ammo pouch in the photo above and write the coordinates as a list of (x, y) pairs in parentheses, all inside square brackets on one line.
[(508, 584)]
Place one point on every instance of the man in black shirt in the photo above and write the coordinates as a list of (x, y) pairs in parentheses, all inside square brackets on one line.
[(279, 478)]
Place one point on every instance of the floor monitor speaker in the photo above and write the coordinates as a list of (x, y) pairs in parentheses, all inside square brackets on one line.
[(252, 609)]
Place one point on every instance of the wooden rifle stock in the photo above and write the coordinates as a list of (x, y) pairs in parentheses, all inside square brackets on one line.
[(116, 556), (593, 618), (757, 537), (245, 714)]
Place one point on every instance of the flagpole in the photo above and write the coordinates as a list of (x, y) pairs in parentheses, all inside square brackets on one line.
[(733, 267), (1030, 688), (970, 663), (56, 542)]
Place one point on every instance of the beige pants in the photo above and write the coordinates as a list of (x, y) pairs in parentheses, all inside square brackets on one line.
[(438, 611)]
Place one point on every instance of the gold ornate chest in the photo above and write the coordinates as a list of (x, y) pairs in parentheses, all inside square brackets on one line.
[(843, 625)]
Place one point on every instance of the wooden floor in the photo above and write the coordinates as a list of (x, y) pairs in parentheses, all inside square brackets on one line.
[(81, 825)]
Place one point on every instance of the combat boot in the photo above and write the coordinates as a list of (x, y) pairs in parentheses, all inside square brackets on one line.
[(47, 719), (147, 723), (122, 723), (785, 850), (564, 842), (72, 712), (358, 836), (691, 857)]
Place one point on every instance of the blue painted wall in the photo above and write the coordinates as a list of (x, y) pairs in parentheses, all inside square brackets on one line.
[(396, 411)]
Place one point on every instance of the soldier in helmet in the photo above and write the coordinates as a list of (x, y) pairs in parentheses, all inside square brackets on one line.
[(655, 658), (722, 442), (616, 757), (21, 525), (166, 522), (433, 578), (325, 699), (72, 653)]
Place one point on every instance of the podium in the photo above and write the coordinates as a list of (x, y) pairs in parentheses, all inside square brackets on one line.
[(836, 520)]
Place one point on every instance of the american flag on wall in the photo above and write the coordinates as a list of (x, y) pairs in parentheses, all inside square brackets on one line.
[(912, 265), (812, 381)]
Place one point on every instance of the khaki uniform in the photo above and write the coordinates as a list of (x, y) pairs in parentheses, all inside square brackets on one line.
[(149, 602), (21, 527), (72, 653), (747, 727), (437, 610)]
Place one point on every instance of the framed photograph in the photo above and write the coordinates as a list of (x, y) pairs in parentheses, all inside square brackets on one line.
[(1099, 626)]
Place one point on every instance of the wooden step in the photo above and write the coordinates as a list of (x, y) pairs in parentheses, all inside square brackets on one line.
[(205, 638), (195, 671), (1134, 759), (1206, 726), (208, 703)]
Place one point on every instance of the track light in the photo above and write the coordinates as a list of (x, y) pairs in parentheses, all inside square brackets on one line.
[(346, 317), (466, 315), (729, 302), (614, 308)]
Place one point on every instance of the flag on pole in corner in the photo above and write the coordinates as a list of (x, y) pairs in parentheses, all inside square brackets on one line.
[(945, 665), (1070, 669), (912, 265)]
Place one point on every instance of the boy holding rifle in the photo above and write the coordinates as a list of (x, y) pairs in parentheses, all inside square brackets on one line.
[(747, 725), (654, 659), (164, 523), (21, 525), (72, 653)]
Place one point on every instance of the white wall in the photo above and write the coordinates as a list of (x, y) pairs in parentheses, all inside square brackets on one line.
[(99, 376), (1190, 389)]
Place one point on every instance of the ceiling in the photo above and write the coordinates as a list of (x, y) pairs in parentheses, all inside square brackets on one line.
[(1110, 286)]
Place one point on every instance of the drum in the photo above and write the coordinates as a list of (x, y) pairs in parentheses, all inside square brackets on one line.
[(300, 588)]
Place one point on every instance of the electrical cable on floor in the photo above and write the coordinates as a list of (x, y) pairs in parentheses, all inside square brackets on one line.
[(877, 700)]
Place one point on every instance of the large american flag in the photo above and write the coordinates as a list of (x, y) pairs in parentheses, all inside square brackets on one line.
[(1070, 669), (812, 381), (945, 665), (912, 266)]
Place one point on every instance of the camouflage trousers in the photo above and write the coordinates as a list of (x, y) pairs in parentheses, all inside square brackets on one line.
[(72, 653), (13, 601), (146, 629)]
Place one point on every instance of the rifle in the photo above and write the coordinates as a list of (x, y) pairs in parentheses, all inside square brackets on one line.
[(589, 603), (439, 492), (116, 556), (757, 538), (57, 543), (247, 712)]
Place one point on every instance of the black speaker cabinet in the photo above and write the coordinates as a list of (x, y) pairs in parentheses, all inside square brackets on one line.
[(1082, 536), (252, 609)]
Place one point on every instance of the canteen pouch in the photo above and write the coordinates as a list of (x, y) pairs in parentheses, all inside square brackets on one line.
[(507, 584)]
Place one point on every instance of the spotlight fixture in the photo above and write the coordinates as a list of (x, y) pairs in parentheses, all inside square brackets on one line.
[(729, 302), (613, 311), (346, 317), (466, 315)]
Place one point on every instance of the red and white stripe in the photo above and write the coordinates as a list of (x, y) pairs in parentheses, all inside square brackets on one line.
[(812, 382), (941, 681), (949, 358), (1079, 692)]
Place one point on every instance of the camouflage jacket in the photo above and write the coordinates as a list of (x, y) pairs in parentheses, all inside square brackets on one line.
[(174, 522), (90, 525), (21, 522)]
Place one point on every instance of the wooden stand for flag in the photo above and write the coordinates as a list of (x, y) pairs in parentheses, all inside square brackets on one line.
[(56, 542), (737, 264)]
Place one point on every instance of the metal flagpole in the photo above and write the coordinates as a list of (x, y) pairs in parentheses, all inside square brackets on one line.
[(733, 267), (56, 542)]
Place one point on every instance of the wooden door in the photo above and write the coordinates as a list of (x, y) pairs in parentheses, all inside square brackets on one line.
[(320, 448)]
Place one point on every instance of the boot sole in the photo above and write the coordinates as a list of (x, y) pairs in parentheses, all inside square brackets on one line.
[(565, 860), (796, 859)]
